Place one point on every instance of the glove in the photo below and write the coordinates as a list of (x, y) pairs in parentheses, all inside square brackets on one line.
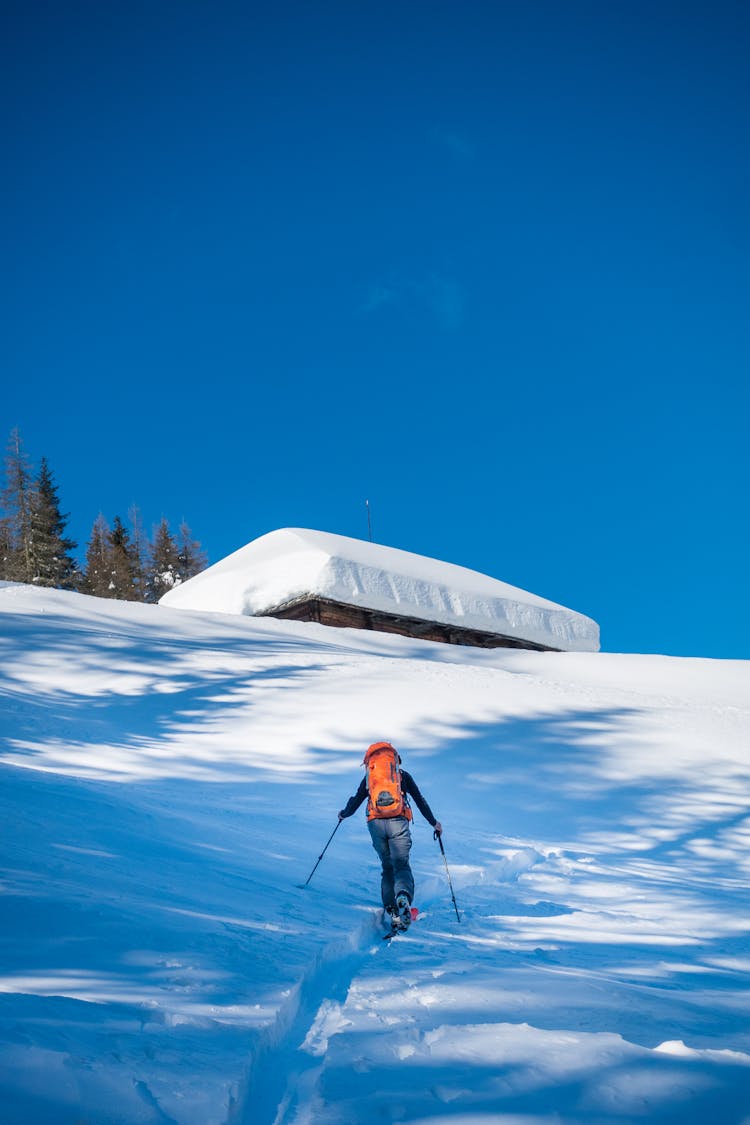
[(341, 815), (438, 830)]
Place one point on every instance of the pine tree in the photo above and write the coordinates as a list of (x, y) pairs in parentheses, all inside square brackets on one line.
[(51, 561), (191, 558), (98, 577), (17, 503), (122, 563), (139, 549), (163, 564), (6, 548)]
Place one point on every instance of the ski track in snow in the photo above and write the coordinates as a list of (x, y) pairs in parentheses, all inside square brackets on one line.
[(286, 1065)]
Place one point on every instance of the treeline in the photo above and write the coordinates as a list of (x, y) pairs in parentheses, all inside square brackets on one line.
[(121, 561)]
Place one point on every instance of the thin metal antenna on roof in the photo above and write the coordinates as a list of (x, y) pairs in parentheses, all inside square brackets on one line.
[(369, 520)]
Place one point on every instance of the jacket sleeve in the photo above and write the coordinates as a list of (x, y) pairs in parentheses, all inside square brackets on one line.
[(410, 787), (354, 802)]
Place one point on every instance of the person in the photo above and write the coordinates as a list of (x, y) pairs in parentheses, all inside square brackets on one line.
[(387, 788)]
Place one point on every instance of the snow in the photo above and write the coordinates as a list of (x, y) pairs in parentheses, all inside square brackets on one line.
[(292, 563), (170, 778)]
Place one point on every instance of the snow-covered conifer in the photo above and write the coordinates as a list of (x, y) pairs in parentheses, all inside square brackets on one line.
[(191, 558), (51, 561), (98, 575), (139, 551), (123, 565), (17, 504), (163, 569)]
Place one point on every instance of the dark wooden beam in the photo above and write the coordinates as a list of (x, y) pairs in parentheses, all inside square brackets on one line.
[(325, 611)]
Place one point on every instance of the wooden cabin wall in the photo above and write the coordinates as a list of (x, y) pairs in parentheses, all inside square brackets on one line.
[(327, 612)]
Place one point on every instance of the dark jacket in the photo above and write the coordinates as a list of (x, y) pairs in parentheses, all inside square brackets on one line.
[(408, 785)]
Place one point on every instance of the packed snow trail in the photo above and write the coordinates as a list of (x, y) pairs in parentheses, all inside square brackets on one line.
[(168, 779), (281, 1072)]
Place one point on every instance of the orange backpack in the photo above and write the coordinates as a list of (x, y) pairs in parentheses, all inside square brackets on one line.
[(385, 795)]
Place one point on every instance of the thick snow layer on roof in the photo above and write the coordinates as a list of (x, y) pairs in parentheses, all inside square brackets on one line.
[(293, 563)]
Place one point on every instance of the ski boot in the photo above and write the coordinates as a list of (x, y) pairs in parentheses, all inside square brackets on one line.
[(403, 911)]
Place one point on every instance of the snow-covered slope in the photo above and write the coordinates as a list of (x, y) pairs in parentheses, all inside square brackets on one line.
[(293, 563), (168, 778)]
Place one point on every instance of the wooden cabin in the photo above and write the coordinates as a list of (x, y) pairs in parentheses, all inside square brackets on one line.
[(297, 574)]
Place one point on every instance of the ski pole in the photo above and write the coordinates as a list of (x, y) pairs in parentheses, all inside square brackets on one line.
[(438, 837), (325, 849)]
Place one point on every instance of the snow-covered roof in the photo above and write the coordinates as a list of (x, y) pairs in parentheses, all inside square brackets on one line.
[(292, 564)]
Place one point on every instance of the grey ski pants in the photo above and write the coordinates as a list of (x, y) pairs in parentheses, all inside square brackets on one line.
[(391, 839)]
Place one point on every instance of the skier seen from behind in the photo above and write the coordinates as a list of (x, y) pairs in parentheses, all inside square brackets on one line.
[(387, 788)]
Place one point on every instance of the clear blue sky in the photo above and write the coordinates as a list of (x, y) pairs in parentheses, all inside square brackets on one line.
[(485, 265)]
